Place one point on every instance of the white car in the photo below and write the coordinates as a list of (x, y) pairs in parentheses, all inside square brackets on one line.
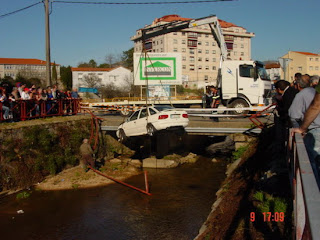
[(152, 119)]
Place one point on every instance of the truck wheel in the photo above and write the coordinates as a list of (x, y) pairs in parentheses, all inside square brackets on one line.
[(125, 112), (151, 130), (239, 103), (122, 136)]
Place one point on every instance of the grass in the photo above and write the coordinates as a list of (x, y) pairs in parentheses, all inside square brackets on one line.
[(239, 152), (268, 203), (23, 195)]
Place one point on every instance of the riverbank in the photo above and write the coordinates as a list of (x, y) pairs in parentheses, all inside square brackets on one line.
[(75, 177), (258, 185)]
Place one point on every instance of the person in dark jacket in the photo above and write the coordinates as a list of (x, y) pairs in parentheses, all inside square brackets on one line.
[(286, 94)]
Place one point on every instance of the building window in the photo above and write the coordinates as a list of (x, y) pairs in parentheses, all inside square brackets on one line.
[(191, 51), (207, 67), (207, 51), (213, 43), (199, 50), (316, 68), (191, 67), (311, 68), (161, 49), (192, 35), (214, 59), (317, 59), (175, 33), (241, 38), (207, 35), (192, 43), (299, 68), (183, 50), (242, 46), (184, 58), (242, 53), (175, 41), (183, 33), (199, 67), (191, 59), (311, 59), (206, 78), (214, 68), (234, 45), (207, 43), (199, 43), (183, 41), (235, 53), (175, 50), (207, 59), (199, 59), (183, 66), (213, 51)]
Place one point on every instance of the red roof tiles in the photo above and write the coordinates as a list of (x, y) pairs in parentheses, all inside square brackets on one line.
[(23, 61), (91, 69), (308, 53), (172, 18)]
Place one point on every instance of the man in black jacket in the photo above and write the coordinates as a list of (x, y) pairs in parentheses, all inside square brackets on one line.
[(281, 118)]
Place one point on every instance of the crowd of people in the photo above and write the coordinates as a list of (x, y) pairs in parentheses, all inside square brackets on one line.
[(11, 98), (298, 106)]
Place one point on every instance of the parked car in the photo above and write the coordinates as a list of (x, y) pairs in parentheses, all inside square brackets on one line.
[(148, 120)]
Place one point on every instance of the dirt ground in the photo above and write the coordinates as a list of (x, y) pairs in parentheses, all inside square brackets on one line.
[(75, 177)]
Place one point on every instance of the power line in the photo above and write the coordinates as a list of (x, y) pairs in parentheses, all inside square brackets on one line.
[(19, 10), (143, 3)]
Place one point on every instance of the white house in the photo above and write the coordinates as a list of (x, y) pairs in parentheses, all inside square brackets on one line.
[(82, 77)]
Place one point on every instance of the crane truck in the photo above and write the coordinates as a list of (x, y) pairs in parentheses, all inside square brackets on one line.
[(242, 84)]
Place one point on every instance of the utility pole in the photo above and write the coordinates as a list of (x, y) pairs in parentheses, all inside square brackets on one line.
[(48, 60)]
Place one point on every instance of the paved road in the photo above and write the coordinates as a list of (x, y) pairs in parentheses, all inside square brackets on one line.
[(116, 120)]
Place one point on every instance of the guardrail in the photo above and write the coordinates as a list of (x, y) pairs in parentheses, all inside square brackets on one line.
[(29, 109), (305, 190)]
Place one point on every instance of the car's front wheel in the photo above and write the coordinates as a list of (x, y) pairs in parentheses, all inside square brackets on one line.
[(122, 136), (151, 130)]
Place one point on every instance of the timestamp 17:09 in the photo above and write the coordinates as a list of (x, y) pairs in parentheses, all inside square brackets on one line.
[(269, 216)]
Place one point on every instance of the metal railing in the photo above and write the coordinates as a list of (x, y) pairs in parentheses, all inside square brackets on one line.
[(29, 109), (305, 190)]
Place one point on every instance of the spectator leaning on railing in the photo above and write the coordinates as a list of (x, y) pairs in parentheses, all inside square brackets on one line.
[(312, 137), (3, 99)]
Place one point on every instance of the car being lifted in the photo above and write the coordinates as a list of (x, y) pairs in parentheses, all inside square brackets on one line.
[(148, 120)]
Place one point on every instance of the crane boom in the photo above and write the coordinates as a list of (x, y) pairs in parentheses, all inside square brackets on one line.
[(212, 21)]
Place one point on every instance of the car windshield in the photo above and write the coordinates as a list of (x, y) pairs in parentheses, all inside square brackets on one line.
[(163, 107)]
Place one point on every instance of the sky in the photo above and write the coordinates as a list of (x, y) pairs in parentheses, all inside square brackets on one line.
[(80, 32)]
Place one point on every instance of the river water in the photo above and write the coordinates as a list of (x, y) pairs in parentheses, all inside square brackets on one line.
[(181, 201)]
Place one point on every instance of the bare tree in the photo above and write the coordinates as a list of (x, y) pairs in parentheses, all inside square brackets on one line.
[(110, 59), (92, 81)]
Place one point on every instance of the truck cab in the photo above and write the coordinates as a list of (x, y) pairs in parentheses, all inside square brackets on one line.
[(244, 84)]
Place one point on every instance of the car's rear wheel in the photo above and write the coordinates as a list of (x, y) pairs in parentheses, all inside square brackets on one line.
[(122, 136), (151, 130)]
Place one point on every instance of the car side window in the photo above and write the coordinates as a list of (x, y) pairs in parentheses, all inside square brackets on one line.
[(143, 113), (246, 71), (134, 116), (152, 111)]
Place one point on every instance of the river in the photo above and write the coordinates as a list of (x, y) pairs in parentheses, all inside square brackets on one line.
[(181, 201)]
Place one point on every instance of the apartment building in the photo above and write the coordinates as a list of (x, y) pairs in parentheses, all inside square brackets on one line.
[(25, 67), (83, 77), (199, 51), (303, 62)]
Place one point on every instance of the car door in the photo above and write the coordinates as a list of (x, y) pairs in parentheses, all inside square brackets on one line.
[(141, 122), (130, 125)]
